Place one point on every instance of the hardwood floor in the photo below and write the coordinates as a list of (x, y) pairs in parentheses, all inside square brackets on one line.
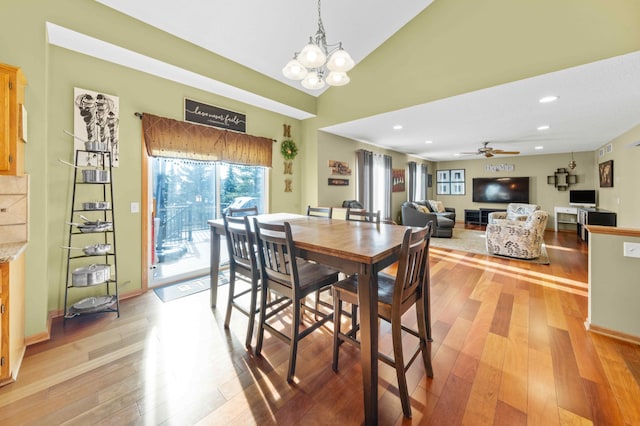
[(509, 348)]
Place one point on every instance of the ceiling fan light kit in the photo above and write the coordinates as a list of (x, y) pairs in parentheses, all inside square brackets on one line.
[(319, 63)]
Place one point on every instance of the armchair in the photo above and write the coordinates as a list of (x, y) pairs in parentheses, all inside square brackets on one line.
[(515, 211), (516, 238), (413, 214)]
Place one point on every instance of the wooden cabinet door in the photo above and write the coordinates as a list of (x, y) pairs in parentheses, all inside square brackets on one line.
[(4, 321), (5, 122)]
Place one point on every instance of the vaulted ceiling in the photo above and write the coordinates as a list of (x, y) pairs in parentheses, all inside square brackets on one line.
[(596, 102)]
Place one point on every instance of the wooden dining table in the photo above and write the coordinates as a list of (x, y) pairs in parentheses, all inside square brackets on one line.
[(352, 247)]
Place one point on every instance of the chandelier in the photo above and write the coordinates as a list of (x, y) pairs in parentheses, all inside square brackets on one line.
[(319, 63)]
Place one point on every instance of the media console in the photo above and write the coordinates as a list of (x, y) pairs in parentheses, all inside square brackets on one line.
[(567, 215), (479, 217), (593, 216)]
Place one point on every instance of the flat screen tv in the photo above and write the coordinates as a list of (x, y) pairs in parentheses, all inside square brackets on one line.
[(583, 197), (501, 190)]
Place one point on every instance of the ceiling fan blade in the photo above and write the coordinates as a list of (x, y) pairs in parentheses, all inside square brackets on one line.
[(499, 151), (488, 154)]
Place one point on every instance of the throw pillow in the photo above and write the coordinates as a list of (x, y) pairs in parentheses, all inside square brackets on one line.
[(422, 209), (440, 207), (433, 205)]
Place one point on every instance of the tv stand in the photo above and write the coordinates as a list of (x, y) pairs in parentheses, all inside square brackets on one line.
[(567, 215), (479, 217), (593, 216)]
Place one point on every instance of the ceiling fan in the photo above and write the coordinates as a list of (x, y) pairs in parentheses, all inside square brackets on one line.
[(489, 152)]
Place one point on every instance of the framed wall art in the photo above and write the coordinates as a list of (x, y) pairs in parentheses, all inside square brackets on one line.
[(339, 168), (450, 182), (338, 182), (457, 175), (457, 188), (398, 180), (443, 188), (605, 171), (96, 119), (442, 176)]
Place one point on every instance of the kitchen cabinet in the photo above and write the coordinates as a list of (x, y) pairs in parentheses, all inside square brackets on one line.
[(13, 120), (91, 261), (14, 210), (12, 344)]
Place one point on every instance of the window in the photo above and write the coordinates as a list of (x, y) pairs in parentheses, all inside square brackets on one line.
[(186, 195)]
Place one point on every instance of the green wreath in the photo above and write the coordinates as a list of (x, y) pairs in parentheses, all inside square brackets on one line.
[(288, 149)]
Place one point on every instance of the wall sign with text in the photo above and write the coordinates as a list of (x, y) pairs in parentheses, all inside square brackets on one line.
[(209, 115)]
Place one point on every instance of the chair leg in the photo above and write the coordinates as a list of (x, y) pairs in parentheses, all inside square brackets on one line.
[(396, 333), (354, 321), (252, 313), (232, 290), (423, 332), (293, 344), (263, 314), (337, 315)]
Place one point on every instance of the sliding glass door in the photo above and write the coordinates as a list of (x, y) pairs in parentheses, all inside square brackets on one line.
[(186, 194)]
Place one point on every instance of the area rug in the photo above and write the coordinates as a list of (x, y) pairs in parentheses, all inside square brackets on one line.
[(474, 242), (187, 288)]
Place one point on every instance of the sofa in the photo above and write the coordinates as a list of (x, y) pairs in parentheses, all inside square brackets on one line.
[(517, 238), (417, 214), (515, 211)]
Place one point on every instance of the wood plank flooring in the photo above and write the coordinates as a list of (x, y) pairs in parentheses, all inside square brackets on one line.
[(510, 348)]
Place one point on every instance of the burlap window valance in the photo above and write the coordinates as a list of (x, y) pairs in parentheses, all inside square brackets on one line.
[(165, 137)]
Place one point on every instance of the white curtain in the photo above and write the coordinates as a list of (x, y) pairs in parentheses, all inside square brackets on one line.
[(412, 187), (374, 182), (417, 182), (421, 190)]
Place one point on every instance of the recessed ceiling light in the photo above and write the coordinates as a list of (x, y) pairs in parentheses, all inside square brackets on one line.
[(428, 141), (544, 127), (548, 99), (397, 127), (539, 147)]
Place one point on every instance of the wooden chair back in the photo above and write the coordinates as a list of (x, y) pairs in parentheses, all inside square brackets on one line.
[(320, 211), (274, 245), (240, 243), (363, 215), (413, 269), (246, 211)]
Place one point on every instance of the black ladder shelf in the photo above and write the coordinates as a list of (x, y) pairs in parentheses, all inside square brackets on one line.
[(92, 233)]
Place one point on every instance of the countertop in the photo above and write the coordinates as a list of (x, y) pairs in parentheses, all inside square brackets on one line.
[(10, 251)]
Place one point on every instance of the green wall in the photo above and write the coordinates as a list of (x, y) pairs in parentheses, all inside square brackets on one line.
[(623, 196), (343, 149), (457, 46), (454, 46), (52, 74)]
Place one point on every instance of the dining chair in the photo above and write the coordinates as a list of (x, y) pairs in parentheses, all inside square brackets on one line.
[(320, 211), (243, 261), (291, 278), (396, 295), (328, 213), (361, 215), (246, 211)]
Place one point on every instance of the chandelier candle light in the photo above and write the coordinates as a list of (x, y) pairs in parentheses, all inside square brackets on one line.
[(312, 66)]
